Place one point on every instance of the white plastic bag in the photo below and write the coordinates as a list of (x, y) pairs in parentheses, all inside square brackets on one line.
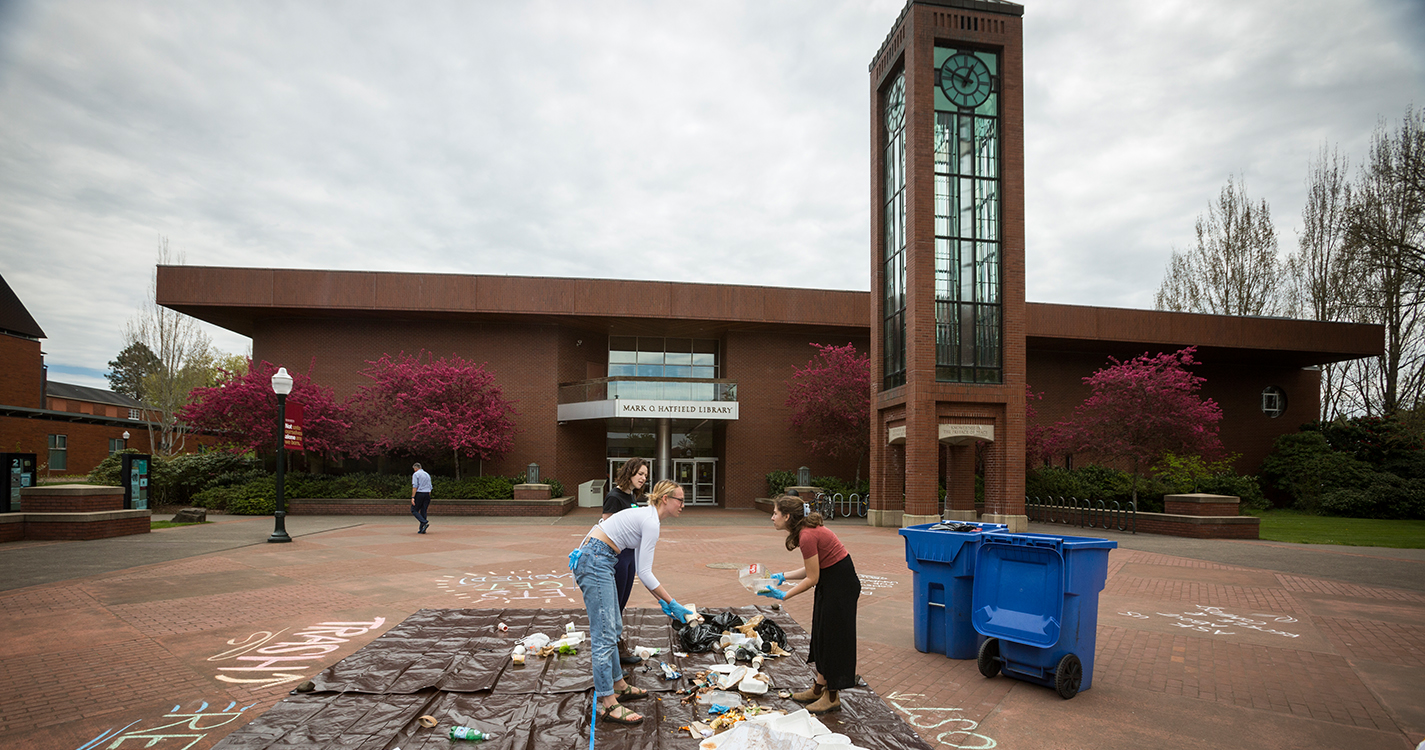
[(755, 577)]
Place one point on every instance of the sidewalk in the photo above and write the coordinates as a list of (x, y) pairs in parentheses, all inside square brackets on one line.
[(177, 637)]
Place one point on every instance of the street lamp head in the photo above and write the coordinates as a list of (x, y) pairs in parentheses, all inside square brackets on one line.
[(126, 434), (281, 382)]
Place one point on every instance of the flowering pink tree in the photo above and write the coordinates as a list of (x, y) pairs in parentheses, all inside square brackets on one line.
[(435, 405), (1143, 408), (831, 403), (1038, 438), (243, 408)]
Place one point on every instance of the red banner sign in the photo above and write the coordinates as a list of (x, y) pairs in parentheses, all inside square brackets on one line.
[(292, 428)]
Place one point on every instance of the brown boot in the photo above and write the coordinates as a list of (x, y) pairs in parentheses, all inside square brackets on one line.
[(810, 694), (625, 654), (826, 704)]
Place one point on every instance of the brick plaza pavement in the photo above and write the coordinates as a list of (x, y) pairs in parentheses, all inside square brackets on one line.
[(177, 654)]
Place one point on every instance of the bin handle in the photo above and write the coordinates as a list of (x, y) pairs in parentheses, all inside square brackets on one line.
[(1020, 540)]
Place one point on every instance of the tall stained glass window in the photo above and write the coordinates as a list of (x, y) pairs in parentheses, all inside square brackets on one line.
[(893, 272), (968, 328)]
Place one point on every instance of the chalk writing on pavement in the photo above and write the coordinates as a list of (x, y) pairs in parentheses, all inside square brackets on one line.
[(261, 661), (509, 589), (1214, 621), (183, 729), (962, 732)]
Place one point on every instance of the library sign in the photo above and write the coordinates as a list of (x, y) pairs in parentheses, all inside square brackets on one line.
[(675, 409)]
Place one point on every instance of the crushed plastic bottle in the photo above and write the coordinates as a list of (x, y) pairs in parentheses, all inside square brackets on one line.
[(755, 577), (469, 734)]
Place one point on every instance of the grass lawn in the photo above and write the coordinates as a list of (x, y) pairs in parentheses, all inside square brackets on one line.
[(1294, 526), (170, 524)]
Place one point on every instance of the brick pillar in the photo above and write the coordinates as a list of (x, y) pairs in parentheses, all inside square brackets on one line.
[(922, 459)]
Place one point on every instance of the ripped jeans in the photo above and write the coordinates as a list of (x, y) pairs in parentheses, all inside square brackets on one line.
[(594, 572)]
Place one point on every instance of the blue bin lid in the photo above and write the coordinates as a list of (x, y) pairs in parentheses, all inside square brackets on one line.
[(942, 545), (1018, 593)]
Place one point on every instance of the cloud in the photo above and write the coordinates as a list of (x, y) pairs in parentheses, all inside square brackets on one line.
[(727, 142)]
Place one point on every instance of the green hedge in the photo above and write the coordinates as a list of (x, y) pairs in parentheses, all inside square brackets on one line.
[(1096, 483)]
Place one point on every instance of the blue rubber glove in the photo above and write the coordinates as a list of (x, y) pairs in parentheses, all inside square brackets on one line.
[(774, 593), (574, 558), (677, 611), (779, 578), (667, 607)]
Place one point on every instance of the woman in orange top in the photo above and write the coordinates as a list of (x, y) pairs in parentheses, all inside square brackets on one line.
[(830, 572)]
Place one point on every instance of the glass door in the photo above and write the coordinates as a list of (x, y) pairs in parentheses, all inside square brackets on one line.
[(704, 481)]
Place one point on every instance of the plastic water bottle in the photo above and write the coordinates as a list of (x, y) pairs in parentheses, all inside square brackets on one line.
[(469, 734)]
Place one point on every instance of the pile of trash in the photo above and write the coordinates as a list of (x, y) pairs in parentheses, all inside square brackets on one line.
[(542, 646), (748, 638)]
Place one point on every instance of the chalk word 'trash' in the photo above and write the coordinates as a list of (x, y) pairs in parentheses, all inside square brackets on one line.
[(186, 728), (265, 663), (1216, 620)]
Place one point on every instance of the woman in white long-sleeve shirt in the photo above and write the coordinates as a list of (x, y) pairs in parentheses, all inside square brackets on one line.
[(593, 565)]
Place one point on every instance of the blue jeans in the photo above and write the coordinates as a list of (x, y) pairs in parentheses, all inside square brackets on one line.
[(595, 575)]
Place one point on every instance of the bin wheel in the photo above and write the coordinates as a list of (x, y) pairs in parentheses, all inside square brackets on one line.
[(1068, 676), (989, 657)]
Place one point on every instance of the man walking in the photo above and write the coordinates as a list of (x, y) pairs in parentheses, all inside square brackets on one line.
[(420, 496)]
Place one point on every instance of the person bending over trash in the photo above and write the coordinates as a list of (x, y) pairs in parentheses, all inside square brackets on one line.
[(830, 571), (593, 565)]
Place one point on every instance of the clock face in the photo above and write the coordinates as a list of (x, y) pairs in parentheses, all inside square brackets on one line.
[(895, 105), (965, 80)]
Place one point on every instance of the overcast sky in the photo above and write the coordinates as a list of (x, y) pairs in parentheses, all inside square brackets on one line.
[(724, 141)]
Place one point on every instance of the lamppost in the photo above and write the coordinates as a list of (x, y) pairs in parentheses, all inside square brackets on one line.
[(281, 385), (126, 439)]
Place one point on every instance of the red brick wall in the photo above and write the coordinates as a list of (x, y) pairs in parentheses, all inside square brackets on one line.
[(86, 503), (1236, 388), (95, 530), (762, 439), (523, 359), (21, 368), (88, 443)]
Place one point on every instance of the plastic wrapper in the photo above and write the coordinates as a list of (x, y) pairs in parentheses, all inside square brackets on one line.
[(755, 577), (725, 621)]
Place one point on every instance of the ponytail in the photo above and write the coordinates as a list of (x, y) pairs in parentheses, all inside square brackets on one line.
[(798, 511)]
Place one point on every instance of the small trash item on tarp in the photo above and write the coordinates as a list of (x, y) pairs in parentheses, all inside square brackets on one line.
[(754, 736), (725, 621), (729, 680), (535, 641), (646, 652), (669, 673), (755, 683), (699, 639), (955, 526), (720, 698)]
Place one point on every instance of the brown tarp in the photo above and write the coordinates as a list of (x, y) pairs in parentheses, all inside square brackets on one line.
[(454, 664)]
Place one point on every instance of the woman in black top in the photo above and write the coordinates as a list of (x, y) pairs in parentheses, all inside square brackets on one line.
[(627, 490)]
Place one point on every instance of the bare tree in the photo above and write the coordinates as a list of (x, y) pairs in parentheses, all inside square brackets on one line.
[(1234, 269), (1385, 232), (185, 362), (1324, 282)]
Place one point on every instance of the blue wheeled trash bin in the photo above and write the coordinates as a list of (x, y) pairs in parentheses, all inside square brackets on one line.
[(943, 562), (1035, 601)]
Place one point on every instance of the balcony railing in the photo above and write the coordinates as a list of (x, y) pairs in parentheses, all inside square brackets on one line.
[(648, 389)]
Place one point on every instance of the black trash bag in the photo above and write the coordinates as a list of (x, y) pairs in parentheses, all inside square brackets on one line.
[(700, 638), (771, 632), (725, 621)]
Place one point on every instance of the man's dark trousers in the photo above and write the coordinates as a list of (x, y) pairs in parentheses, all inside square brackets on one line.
[(419, 507)]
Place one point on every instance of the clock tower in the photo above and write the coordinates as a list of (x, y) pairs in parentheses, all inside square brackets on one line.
[(947, 264)]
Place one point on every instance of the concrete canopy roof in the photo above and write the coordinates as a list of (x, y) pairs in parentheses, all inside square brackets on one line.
[(238, 299)]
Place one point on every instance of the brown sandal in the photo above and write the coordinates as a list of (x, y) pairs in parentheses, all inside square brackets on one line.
[(619, 714)]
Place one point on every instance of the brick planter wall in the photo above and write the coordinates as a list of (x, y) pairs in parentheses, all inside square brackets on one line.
[(76, 526), (71, 498), (1200, 527), (365, 507), (1199, 504)]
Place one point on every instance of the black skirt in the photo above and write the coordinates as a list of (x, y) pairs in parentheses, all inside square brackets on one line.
[(833, 624)]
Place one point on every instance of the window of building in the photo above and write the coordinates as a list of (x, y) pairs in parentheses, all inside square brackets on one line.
[(894, 256), (1273, 401), (133, 413), (659, 357), (115, 445), (58, 452), (967, 217)]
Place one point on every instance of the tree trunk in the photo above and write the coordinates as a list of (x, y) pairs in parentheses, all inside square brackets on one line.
[(457, 465)]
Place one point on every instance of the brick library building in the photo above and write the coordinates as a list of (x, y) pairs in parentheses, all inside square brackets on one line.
[(693, 377)]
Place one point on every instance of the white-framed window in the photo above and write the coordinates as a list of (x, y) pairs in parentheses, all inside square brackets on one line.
[(59, 452), (134, 414), (1273, 401)]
